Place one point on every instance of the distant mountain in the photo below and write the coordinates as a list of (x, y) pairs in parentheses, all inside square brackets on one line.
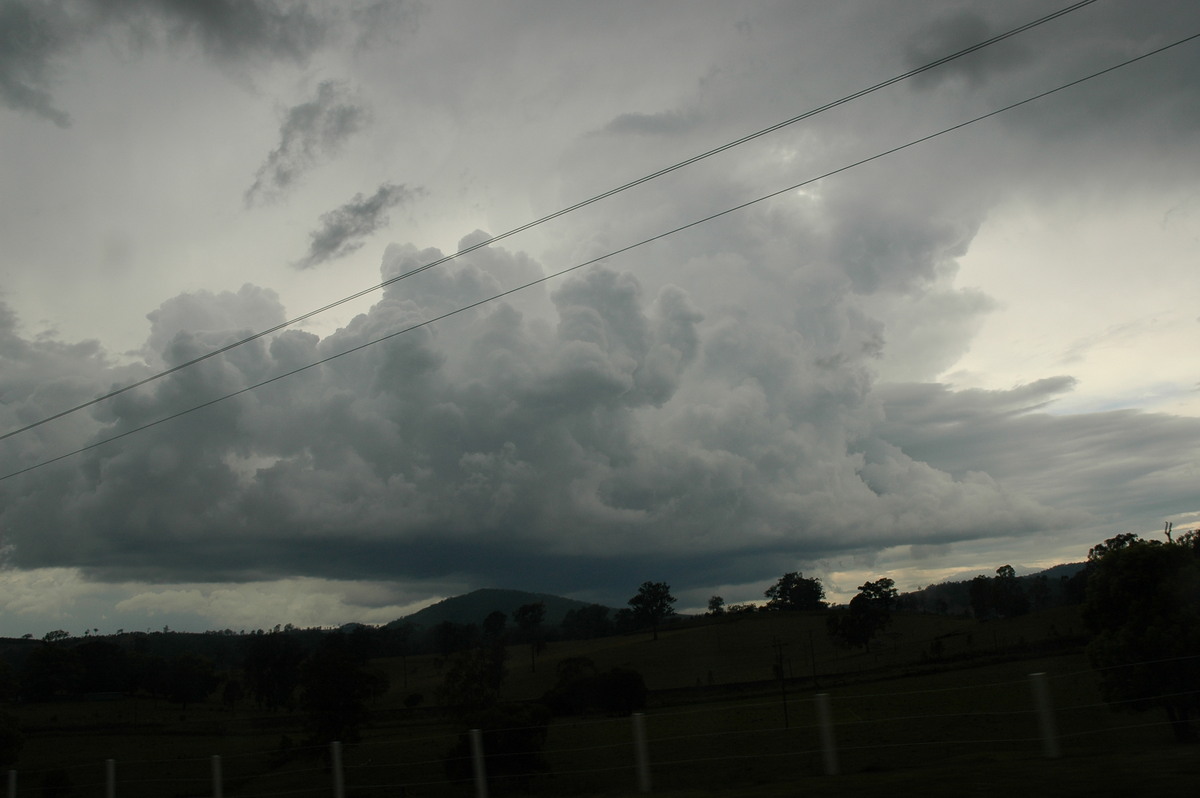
[(952, 596), (1066, 569), (477, 605)]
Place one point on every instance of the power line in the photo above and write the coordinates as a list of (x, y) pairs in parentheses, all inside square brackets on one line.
[(561, 212), (622, 250)]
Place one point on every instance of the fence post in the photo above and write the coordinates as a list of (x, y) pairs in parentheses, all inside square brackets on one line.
[(1041, 696), (12, 784), (481, 790), (110, 778), (828, 742), (641, 755), (216, 776), (335, 763)]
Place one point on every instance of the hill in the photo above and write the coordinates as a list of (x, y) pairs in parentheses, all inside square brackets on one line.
[(473, 607)]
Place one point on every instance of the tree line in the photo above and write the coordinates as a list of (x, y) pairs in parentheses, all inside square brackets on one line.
[(1141, 604)]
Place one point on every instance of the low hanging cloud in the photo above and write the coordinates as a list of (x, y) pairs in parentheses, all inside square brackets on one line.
[(311, 132), (343, 229)]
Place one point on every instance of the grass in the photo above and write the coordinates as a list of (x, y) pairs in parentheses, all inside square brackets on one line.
[(940, 705)]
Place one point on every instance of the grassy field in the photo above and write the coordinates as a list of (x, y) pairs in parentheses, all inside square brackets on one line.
[(940, 706)]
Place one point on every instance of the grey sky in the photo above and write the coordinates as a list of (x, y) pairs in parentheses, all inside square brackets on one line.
[(974, 352)]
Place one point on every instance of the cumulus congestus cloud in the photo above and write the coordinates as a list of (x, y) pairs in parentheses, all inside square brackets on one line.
[(343, 229), (311, 132), (565, 449)]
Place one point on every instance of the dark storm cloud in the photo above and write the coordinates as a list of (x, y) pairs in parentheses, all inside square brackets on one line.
[(237, 28), (343, 229), (718, 425), (311, 132), (954, 31), (36, 36), (625, 432), (32, 35)]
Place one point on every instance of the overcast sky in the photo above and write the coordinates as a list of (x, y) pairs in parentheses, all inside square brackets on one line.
[(976, 351)]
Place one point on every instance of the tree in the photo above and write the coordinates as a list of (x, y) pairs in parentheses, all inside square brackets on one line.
[(794, 592), (189, 678), (652, 604), (870, 612), (1143, 607), (493, 626), (980, 592), (334, 689), (587, 623), (716, 606), (450, 637), (473, 680), (271, 664), (529, 618), (51, 671), (1008, 595)]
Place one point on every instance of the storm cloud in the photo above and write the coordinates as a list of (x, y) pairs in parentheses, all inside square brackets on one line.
[(969, 352), (311, 132), (343, 229), (37, 37), (557, 450)]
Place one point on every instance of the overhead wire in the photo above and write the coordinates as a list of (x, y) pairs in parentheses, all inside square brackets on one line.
[(612, 253), (556, 214)]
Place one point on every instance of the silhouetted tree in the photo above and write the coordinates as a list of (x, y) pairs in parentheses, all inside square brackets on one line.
[(1008, 595), (271, 664), (652, 605), (450, 637), (473, 680), (189, 679), (587, 623), (1039, 592), (1143, 606), (335, 686), (870, 612), (795, 592), (624, 621), (529, 618), (716, 606), (105, 667), (580, 689), (981, 597), (493, 626), (51, 670)]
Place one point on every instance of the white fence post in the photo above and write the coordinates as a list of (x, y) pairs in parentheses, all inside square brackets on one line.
[(216, 776), (641, 755), (1041, 696), (110, 778), (12, 784), (477, 763), (828, 742), (335, 761)]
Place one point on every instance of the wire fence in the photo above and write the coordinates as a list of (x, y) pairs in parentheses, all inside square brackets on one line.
[(730, 744)]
